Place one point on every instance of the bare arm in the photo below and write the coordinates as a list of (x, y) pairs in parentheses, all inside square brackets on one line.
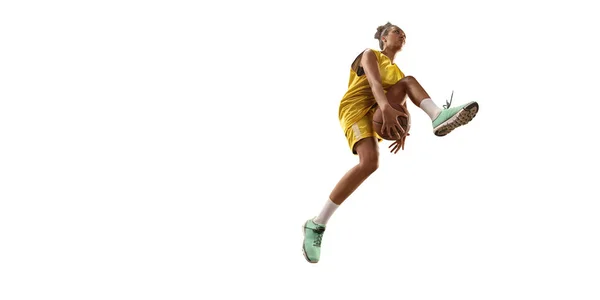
[(390, 125), (369, 64)]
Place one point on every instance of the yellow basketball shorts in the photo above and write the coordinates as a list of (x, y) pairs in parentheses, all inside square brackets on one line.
[(361, 130)]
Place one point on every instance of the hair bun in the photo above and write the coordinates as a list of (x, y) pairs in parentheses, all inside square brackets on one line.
[(379, 31)]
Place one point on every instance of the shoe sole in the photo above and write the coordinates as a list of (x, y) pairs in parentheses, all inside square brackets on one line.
[(304, 250), (464, 116)]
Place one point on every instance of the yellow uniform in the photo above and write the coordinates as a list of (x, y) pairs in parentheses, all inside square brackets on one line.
[(358, 104)]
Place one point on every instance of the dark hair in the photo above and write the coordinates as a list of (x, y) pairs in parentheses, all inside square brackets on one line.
[(382, 31)]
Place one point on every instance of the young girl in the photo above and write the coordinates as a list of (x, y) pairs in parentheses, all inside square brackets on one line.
[(375, 78)]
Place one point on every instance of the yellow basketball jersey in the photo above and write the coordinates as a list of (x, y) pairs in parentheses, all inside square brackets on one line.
[(359, 98)]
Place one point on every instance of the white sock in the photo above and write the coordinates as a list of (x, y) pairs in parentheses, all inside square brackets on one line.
[(326, 213), (430, 108)]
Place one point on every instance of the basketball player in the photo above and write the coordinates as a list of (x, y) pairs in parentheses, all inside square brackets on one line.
[(375, 79)]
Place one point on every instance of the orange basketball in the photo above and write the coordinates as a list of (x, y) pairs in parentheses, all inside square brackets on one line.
[(378, 121)]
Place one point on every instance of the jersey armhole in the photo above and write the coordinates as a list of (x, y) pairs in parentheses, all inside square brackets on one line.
[(356, 67)]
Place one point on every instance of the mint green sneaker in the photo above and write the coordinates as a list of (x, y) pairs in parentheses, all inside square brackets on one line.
[(313, 234), (451, 118)]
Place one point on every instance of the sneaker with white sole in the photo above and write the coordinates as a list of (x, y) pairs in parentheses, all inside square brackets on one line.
[(313, 234), (452, 117)]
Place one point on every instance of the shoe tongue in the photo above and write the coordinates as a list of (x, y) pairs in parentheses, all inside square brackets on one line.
[(315, 224)]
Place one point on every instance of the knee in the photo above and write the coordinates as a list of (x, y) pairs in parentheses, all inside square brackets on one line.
[(370, 163), (407, 80), (368, 154), (399, 89)]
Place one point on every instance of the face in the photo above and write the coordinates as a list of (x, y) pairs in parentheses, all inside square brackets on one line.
[(395, 38)]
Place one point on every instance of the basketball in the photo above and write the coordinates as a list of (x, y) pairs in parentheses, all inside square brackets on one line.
[(378, 121)]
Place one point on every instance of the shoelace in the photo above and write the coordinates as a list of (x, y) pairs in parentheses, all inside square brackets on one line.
[(447, 105), (319, 231)]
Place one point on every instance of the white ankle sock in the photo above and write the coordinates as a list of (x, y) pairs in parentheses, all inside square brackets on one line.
[(430, 108), (326, 213)]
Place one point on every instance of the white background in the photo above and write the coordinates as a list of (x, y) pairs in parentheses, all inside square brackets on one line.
[(173, 150)]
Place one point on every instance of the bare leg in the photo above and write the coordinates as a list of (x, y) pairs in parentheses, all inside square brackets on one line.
[(368, 153), (407, 85), (443, 121)]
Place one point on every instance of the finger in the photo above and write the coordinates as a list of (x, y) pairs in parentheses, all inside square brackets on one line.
[(390, 131), (395, 131), (387, 131), (400, 135), (401, 130), (402, 114), (398, 129)]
